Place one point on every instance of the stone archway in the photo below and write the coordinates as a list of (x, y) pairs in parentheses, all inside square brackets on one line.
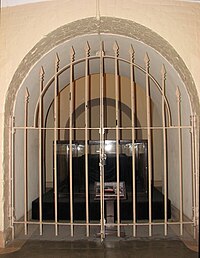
[(83, 27)]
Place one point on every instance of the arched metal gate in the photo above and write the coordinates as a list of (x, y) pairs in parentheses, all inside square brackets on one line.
[(115, 192)]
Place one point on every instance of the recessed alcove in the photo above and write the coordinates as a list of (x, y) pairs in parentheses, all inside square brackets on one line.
[(41, 137)]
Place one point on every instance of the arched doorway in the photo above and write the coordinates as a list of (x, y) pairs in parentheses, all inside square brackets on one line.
[(33, 137)]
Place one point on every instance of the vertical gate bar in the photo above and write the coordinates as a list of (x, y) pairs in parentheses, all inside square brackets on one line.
[(178, 95), (55, 140), (10, 171), (87, 49), (147, 63), (40, 149), (116, 51), (12, 176), (196, 137), (101, 131), (133, 113), (25, 161), (193, 172), (163, 73), (72, 54)]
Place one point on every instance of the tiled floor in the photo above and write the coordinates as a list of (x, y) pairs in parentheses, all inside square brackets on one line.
[(96, 249)]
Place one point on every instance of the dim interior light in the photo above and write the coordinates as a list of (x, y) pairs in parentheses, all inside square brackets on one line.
[(108, 147)]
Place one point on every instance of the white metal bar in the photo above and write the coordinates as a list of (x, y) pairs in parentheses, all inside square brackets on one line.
[(193, 173), (163, 73), (59, 223), (12, 177), (153, 223), (87, 49), (197, 145), (40, 149), (148, 105), (55, 145), (71, 102), (98, 224), (116, 51), (26, 99), (101, 131), (10, 171), (111, 128), (133, 114), (178, 94)]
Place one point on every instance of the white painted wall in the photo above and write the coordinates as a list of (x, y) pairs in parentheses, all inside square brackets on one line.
[(23, 26)]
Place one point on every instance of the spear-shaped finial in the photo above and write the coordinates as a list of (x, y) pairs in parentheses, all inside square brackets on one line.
[(26, 95), (132, 53), (163, 71), (146, 60), (178, 94), (42, 73), (163, 74), (116, 48), (87, 49), (57, 61), (101, 50), (72, 54)]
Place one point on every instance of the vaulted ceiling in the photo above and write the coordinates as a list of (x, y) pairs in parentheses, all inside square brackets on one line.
[(32, 81)]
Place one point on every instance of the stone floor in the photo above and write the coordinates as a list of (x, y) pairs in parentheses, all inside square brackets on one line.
[(50, 246), (96, 249)]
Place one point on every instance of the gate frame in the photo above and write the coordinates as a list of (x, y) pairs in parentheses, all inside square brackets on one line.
[(39, 127)]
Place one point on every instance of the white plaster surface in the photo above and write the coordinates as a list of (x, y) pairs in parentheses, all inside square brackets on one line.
[(6, 3)]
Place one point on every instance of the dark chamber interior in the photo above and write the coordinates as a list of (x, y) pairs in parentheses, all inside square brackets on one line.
[(110, 175)]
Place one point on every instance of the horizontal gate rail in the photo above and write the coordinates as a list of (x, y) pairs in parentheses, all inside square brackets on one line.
[(111, 128), (111, 224)]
